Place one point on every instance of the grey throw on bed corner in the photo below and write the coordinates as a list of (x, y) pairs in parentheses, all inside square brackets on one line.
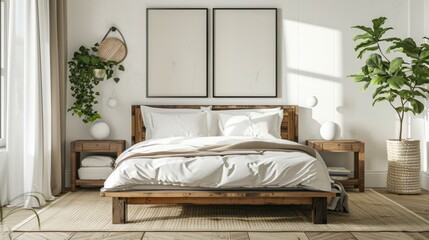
[(340, 203)]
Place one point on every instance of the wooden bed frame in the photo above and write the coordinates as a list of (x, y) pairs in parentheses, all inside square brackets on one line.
[(289, 130)]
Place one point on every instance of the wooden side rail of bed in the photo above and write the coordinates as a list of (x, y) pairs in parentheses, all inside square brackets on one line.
[(318, 200)]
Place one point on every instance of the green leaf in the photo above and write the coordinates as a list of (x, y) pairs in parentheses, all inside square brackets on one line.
[(378, 100), (396, 82), (95, 60), (378, 91), (375, 48), (377, 80), (116, 79), (121, 67), (364, 44), (358, 77), (362, 36), (374, 61), (389, 39), (378, 22), (85, 59), (424, 54), (366, 29), (409, 47), (395, 64), (418, 106), (380, 32), (365, 86)]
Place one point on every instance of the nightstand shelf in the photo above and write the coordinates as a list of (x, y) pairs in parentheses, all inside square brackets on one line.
[(91, 146), (337, 146)]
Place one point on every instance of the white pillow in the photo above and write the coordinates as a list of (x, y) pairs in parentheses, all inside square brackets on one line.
[(253, 125), (97, 161), (213, 117), (147, 116), (179, 125)]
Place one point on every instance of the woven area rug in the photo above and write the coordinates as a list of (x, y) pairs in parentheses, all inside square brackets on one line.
[(86, 211)]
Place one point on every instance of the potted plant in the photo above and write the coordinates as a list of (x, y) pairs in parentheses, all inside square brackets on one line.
[(6, 232), (87, 70), (400, 82)]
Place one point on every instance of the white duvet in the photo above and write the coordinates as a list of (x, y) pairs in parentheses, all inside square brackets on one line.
[(249, 170)]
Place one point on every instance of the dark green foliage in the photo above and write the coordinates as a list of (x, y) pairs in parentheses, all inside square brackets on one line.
[(397, 81), (83, 81)]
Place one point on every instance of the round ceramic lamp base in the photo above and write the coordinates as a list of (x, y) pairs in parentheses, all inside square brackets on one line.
[(328, 131), (99, 130)]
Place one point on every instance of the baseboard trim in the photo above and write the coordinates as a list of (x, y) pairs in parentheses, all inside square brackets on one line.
[(67, 179), (425, 180), (375, 178)]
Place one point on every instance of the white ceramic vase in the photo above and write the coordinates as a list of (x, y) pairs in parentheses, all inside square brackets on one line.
[(99, 130), (328, 131)]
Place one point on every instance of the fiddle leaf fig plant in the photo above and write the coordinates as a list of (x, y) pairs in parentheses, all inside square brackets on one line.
[(399, 81), (84, 69)]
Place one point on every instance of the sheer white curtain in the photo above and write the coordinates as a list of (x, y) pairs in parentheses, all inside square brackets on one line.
[(29, 99)]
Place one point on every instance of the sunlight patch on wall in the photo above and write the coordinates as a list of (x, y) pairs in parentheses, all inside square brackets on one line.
[(311, 48), (314, 60)]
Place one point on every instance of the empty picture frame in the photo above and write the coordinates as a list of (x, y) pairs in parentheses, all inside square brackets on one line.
[(245, 52), (177, 52)]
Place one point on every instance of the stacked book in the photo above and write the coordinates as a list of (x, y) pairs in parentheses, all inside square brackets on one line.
[(339, 173)]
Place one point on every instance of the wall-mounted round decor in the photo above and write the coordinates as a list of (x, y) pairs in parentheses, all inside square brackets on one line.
[(113, 49)]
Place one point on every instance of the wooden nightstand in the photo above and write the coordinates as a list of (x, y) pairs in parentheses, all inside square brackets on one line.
[(355, 146), (93, 146)]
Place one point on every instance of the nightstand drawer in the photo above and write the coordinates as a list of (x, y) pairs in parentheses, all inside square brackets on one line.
[(89, 146), (336, 146)]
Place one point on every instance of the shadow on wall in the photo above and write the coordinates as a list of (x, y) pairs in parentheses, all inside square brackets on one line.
[(308, 129)]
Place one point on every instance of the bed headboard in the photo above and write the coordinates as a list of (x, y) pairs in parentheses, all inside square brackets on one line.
[(289, 128)]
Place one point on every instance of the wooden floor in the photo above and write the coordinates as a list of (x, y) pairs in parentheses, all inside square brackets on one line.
[(416, 203)]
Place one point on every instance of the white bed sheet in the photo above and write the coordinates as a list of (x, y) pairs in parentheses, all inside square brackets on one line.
[(272, 169)]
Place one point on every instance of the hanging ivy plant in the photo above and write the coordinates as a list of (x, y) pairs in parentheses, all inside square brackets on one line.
[(83, 79)]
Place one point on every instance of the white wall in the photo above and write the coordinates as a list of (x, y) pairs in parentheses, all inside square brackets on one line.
[(316, 53), (4, 174)]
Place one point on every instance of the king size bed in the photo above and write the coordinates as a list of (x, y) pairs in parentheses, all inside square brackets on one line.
[(217, 155)]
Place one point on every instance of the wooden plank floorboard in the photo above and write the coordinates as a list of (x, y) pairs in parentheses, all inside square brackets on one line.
[(330, 236), (7, 236), (108, 235), (238, 236), (426, 234), (416, 236), (277, 235), (381, 236), (186, 236), (45, 235), (416, 203)]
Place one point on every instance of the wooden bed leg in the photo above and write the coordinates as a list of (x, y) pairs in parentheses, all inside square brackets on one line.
[(319, 212), (119, 210)]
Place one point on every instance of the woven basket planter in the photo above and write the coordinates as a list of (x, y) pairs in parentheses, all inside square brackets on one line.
[(403, 173)]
